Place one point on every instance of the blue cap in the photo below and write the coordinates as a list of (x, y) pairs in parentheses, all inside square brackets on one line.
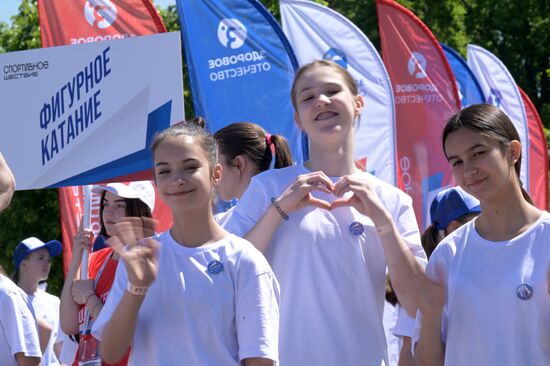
[(451, 204), (31, 244)]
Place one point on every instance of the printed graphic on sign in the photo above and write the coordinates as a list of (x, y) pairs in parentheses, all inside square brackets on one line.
[(231, 33), (84, 97), (336, 55), (100, 13), (417, 65), (495, 97)]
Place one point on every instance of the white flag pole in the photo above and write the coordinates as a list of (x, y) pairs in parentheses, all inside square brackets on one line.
[(86, 222)]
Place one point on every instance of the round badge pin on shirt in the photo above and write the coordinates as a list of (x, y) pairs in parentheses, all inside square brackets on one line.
[(214, 267), (356, 228), (524, 291)]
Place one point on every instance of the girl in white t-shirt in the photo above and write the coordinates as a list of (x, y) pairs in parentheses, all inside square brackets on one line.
[(492, 306), (194, 295), (329, 231), (244, 150), (33, 260)]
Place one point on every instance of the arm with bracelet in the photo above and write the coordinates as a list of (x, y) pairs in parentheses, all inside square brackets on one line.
[(116, 324)]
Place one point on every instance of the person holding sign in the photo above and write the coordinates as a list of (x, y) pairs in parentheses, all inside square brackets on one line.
[(193, 295), (329, 231), (492, 304), (82, 300)]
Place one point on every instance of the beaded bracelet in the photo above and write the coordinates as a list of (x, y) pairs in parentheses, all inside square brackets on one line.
[(275, 204)]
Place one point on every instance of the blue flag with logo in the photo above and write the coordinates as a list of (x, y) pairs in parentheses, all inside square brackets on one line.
[(241, 66), (468, 87)]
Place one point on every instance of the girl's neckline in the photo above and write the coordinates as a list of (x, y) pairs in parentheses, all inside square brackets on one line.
[(544, 215), (308, 170)]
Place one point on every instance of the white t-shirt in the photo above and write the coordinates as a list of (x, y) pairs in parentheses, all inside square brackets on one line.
[(485, 322), (332, 281), (194, 316), (46, 306), (18, 332)]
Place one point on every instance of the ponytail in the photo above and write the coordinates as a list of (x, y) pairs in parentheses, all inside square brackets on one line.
[(282, 155), (253, 142), (430, 238)]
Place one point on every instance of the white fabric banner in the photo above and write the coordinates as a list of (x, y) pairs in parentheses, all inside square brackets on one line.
[(317, 32), (80, 114), (500, 89)]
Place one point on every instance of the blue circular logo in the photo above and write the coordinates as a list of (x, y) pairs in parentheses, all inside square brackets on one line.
[(337, 56), (356, 228), (215, 267), (524, 291)]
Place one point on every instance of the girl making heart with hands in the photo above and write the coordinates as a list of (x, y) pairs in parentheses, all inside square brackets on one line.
[(329, 231)]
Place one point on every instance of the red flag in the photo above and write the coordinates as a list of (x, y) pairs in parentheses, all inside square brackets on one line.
[(425, 96), (538, 155), (83, 21)]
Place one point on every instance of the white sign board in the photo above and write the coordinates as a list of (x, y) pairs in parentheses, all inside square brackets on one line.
[(81, 114)]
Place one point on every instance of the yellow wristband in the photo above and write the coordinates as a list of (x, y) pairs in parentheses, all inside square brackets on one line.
[(136, 290)]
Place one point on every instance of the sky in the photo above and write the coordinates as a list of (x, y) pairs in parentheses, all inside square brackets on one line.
[(9, 7)]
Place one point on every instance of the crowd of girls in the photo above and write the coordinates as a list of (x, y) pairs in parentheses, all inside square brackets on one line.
[(295, 274)]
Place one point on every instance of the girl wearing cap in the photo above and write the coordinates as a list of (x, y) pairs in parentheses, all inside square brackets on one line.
[(32, 259), (82, 300), (329, 231), (245, 149), (449, 210), (195, 295), (491, 305)]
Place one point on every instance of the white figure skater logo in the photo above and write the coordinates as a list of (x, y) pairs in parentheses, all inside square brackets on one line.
[(100, 13), (417, 65), (231, 33)]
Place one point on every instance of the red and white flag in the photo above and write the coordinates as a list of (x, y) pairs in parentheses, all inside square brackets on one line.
[(538, 154), (425, 96)]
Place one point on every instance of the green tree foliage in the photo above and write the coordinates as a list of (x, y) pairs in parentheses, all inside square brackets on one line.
[(516, 31)]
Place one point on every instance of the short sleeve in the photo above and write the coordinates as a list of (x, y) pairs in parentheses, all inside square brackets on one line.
[(115, 295), (19, 325), (257, 308), (248, 210), (404, 326), (407, 226)]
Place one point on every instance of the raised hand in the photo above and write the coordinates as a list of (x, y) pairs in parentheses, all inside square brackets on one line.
[(298, 195), (140, 259), (82, 241), (80, 290), (130, 230), (364, 199)]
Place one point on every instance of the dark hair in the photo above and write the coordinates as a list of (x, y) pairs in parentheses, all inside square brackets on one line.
[(15, 277), (134, 208), (492, 123), (192, 129), (249, 139), (431, 236), (348, 79), (429, 239)]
